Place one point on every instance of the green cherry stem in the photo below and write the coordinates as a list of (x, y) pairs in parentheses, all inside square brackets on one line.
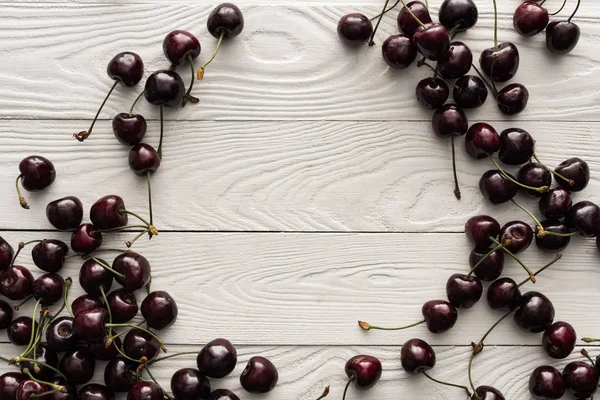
[(371, 42), (21, 304), (187, 96), (413, 14), (120, 228), (466, 389), (540, 231), (545, 267), (541, 189), (158, 384), (585, 353), (561, 8), (122, 353), (43, 364), (162, 131), (386, 11), (135, 102), (514, 257), (19, 249), (149, 197), (485, 81), (105, 266), (22, 200), (130, 243), (590, 340), (571, 182), (200, 72), (347, 386), (33, 330), (81, 136), (574, 12), (367, 327), (35, 396), (148, 224), (160, 342), (456, 186), (110, 332), (172, 356), (58, 388), (325, 393), (495, 25), (68, 282), (485, 257)]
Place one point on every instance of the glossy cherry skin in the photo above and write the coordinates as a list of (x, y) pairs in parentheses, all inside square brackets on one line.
[(118, 375), (164, 88), (530, 18), (217, 358), (506, 62), (126, 67), (520, 235), (449, 120), (225, 19), (86, 239), (463, 291), (48, 288), (482, 140), (553, 242), (222, 394), (504, 294), (535, 175), (479, 228), (189, 384), (181, 46), (135, 268), (439, 315), (43, 355), (584, 217), (456, 62), (60, 334), (491, 268), (106, 213), (16, 283), (459, 15), (89, 324), (261, 376), (145, 391), (364, 370), (123, 305), (28, 388), (49, 255), (9, 383), (129, 129), (581, 379), (399, 51), (559, 340), (138, 344), (19, 331), (487, 393), (102, 353), (535, 313), (6, 314), (417, 356), (65, 213), (512, 99), (469, 92), (517, 146), (37, 173), (497, 188), (575, 169), (432, 40), (6, 254), (432, 92), (94, 391), (92, 276), (143, 159), (85, 302), (562, 36), (546, 383), (355, 29), (78, 366), (407, 23), (159, 309), (556, 203)]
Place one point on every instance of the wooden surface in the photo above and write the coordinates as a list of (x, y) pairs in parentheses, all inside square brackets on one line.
[(304, 192)]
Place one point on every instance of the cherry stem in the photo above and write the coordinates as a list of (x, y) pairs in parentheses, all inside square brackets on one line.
[(160, 342), (158, 384), (585, 353), (34, 328), (510, 253), (485, 81), (105, 266), (81, 136), (148, 224), (466, 389), (413, 14), (122, 353), (492, 73), (21, 304), (435, 72), (171, 356), (495, 25), (540, 231), (20, 247), (574, 12), (43, 364), (22, 200), (131, 242), (135, 102), (200, 72), (149, 197), (371, 42), (68, 283), (589, 340), (541, 189), (386, 11), (347, 386), (456, 186), (366, 326), (485, 257), (561, 8), (545, 267), (160, 142), (35, 396), (325, 393), (5, 359), (110, 332), (537, 222), (187, 96), (542, 3), (569, 181), (120, 228), (58, 388)]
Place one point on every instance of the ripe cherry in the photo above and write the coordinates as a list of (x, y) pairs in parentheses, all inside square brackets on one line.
[(89, 324), (556, 203), (9, 383), (119, 375), (490, 268), (135, 269), (78, 366), (449, 120), (535, 313), (399, 51), (6, 314), (458, 15), (217, 358), (512, 99), (93, 391), (581, 379), (365, 371), (16, 282), (432, 92), (519, 235), (479, 229), (355, 29), (49, 255), (546, 383), (138, 344), (48, 288), (86, 239), (504, 294), (584, 217), (407, 23), (576, 171), (65, 213), (496, 187), (559, 340), (145, 391), (517, 146), (482, 141), (93, 276), (530, 18), (456, 62), (85, 302), (225, 20), (535, 175), (106, 213), (259, 376), (500, 63), (463, 291), (60, 334), (29, 388), (189, 383), (439, 315), (417, 356), (432, 40), (19, 331), (164, 88), (36, 173), (143, 159), (562, 36), (469, 92), (159, 309), (129, 128), (6, 254), (180, 47), (553, 242), (123, 305)]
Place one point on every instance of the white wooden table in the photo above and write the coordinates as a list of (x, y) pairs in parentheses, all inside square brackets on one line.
[(305, 191)]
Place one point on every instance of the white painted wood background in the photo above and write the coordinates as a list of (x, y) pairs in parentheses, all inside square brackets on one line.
[(305, 191)]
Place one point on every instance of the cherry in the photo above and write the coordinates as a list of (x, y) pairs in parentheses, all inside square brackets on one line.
[(535, 175), (145, 391), (365, 371), (479, 229), (9, 383), (138, 344), (355, 29), (504, 294), (512, 99), (496, 187), (553, 242), (463, 291), (417, 356), (222, 394), (135, 269), (93, 391), (559, 340), (60, 334), (189, 383), (562, 36), (556, 203), (143, 159), (65, 213), (500, 62), (86, 239), (48, 288), (470, 92), (546, 383), (85, 302), (225, 20), (517, 146), (78, 366), (259, 376), (102, 353), (180, 47), (407, 23), (530, 18), (432, 92), (123, 305), (458, 15), (16, 282), (457, 61), (159, 309), (449, 120), (490, 268), (164, 88), (119, 375), (439, 315), (6, 314), (93, 276), (28, 388), (6, 254), (89, 324), (49, 255), (43, 355), (581, 379), (482, 141), (487, 393), (36, 173), (129, 128), (584, 217), (576, 171), (432, 40), (106, 213), (535, 313), (399, 51), (519, 234), (217, 358)]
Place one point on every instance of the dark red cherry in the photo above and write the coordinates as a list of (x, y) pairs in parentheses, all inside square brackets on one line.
[(48, 288), (221, 394), (19, 331), (119, 375), (6, 254), (535, 175), (463, 291), (89, 324), (138, 344), (512, 99), (546, 383), (479, 228), (143, 159), (164, 88), (535, 313), (60, 334), (127, 68), (504, 294), (559, 340), (364, 370), (469, 92), (16, 283), (9, 383), (159, 309), (129, 128), (6, 314), (106, 213), (355, 29), (28, 388), (432, 92), (49, 255), (145, 391), (37, 173), (78, 366), (449, 120), (556, 203), (504, 59), (407, 23), (439, 315), (123, 305), (517, 146), (417, 356), (458, 15), (584, 217), (86, 239), (259, 376), (577, 171), (432, 40), (46, 359), (85, 302), (489, 269), (456, 62), (519, 234), (226, 19), (399, 51), (581, 379), (553, 242), (94, 391), (65, 213), (180, 47), (530, 18), (102, 353), (487, 393), (482, 140), (562, 36), (217, 358), (134, 267), (189, 384), (496, 187), (92, 276)]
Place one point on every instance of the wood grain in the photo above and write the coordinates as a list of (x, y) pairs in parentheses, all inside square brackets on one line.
[(288, 64)]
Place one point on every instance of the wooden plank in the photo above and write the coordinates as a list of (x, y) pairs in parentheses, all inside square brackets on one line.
[(292, 67), (306, 289)]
